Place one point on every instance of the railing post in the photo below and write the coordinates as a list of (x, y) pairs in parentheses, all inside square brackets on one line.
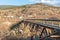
[(59, 24)]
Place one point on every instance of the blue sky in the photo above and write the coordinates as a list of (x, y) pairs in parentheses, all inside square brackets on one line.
[(15, 2), (24, 2)]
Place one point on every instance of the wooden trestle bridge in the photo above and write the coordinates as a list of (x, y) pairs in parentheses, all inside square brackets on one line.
[(49, 29)]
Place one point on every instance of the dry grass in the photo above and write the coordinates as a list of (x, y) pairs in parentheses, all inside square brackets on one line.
[(39, 11)]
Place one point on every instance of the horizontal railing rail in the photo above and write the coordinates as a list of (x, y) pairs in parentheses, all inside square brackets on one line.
[(45, 19)]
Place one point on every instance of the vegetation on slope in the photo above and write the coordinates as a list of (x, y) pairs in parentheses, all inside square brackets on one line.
[(9, 15)]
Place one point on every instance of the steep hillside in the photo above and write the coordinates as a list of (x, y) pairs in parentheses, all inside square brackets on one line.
[(12, 15), (32, 11), (39, 10)]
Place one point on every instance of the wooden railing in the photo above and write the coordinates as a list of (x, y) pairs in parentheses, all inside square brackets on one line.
[(46, 21)]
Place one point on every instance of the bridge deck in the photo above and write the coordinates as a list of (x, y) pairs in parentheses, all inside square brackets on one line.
[(41, 23)]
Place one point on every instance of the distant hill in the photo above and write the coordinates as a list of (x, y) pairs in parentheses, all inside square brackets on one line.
[(7, 6)]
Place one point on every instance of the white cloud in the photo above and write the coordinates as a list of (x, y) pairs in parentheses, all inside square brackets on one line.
[(49, 1), (35, 1), (52, 2)]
